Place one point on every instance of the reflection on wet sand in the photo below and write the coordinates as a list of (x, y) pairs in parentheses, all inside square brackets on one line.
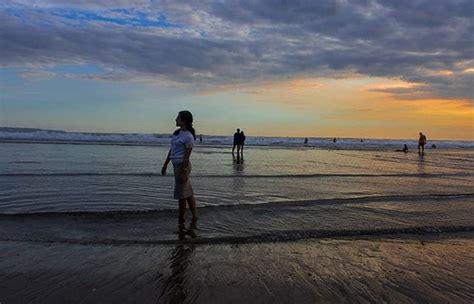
[(238, 169), (238, 163), (421, 164), (178, 286)]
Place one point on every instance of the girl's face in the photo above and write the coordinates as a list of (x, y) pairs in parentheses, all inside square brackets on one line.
[(179, 122)]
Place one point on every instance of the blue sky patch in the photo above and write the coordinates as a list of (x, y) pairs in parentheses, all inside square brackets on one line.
[(116, 16), (131, 18)]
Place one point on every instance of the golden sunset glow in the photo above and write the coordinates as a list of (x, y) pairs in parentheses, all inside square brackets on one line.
[(357, 107)]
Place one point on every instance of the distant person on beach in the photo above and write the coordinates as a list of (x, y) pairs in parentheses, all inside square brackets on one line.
[(179, 155), (242, 143), (421, 143), (334, 140), (306, 140), (236, 141), (200, 138)]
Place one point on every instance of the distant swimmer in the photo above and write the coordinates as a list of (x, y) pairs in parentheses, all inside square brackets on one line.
[(334, 140), (405, 149), (421, 143), (433, 146), (306, 140), (200, 138)]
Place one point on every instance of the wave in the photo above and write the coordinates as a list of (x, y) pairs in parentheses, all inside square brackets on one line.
[(270, 237), (56, 137), (322, 175), (272, 204)]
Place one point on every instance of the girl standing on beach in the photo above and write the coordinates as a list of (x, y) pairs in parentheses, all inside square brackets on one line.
[(179, 155)]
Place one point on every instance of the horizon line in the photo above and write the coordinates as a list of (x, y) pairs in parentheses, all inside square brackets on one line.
[(264, 136)]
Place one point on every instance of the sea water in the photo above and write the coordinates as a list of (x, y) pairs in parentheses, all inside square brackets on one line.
[(115, 193)]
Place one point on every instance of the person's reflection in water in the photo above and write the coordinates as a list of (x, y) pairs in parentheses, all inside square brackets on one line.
[(238, 162), (421, 164), (178, 287), (238, 183)]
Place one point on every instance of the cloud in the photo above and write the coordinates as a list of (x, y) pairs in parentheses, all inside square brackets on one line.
[(36, 74), (447, 86), (218, 43)]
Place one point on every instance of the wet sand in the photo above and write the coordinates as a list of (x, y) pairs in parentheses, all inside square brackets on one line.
[(435, 268)]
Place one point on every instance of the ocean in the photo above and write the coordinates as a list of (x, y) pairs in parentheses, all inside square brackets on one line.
[(113, 192)]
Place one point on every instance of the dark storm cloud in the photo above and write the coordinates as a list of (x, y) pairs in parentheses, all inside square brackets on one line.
[(222, 42)]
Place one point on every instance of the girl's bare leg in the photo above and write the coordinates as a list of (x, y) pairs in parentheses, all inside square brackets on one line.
[(192, 206), (182, 211)]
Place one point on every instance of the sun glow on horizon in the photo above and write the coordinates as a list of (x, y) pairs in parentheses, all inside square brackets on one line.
[(356, 107)]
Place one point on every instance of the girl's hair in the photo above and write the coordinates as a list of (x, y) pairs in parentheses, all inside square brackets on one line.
[(187, 117)]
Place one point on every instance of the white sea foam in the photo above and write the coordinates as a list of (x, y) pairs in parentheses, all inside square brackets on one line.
[(22, 134)]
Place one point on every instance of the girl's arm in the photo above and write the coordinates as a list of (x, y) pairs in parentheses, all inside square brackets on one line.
[(185, 165), (165, 165)]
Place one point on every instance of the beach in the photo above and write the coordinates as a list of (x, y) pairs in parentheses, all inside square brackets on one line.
[(433, 268), (96, 223)]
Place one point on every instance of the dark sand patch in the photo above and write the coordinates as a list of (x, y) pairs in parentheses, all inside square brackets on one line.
[(391, 269)]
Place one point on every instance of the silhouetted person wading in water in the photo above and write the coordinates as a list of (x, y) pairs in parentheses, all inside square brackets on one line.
[(179, 155), (421, 143)]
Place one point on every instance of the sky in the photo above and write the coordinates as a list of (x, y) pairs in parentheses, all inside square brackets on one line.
[(359, 68)]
